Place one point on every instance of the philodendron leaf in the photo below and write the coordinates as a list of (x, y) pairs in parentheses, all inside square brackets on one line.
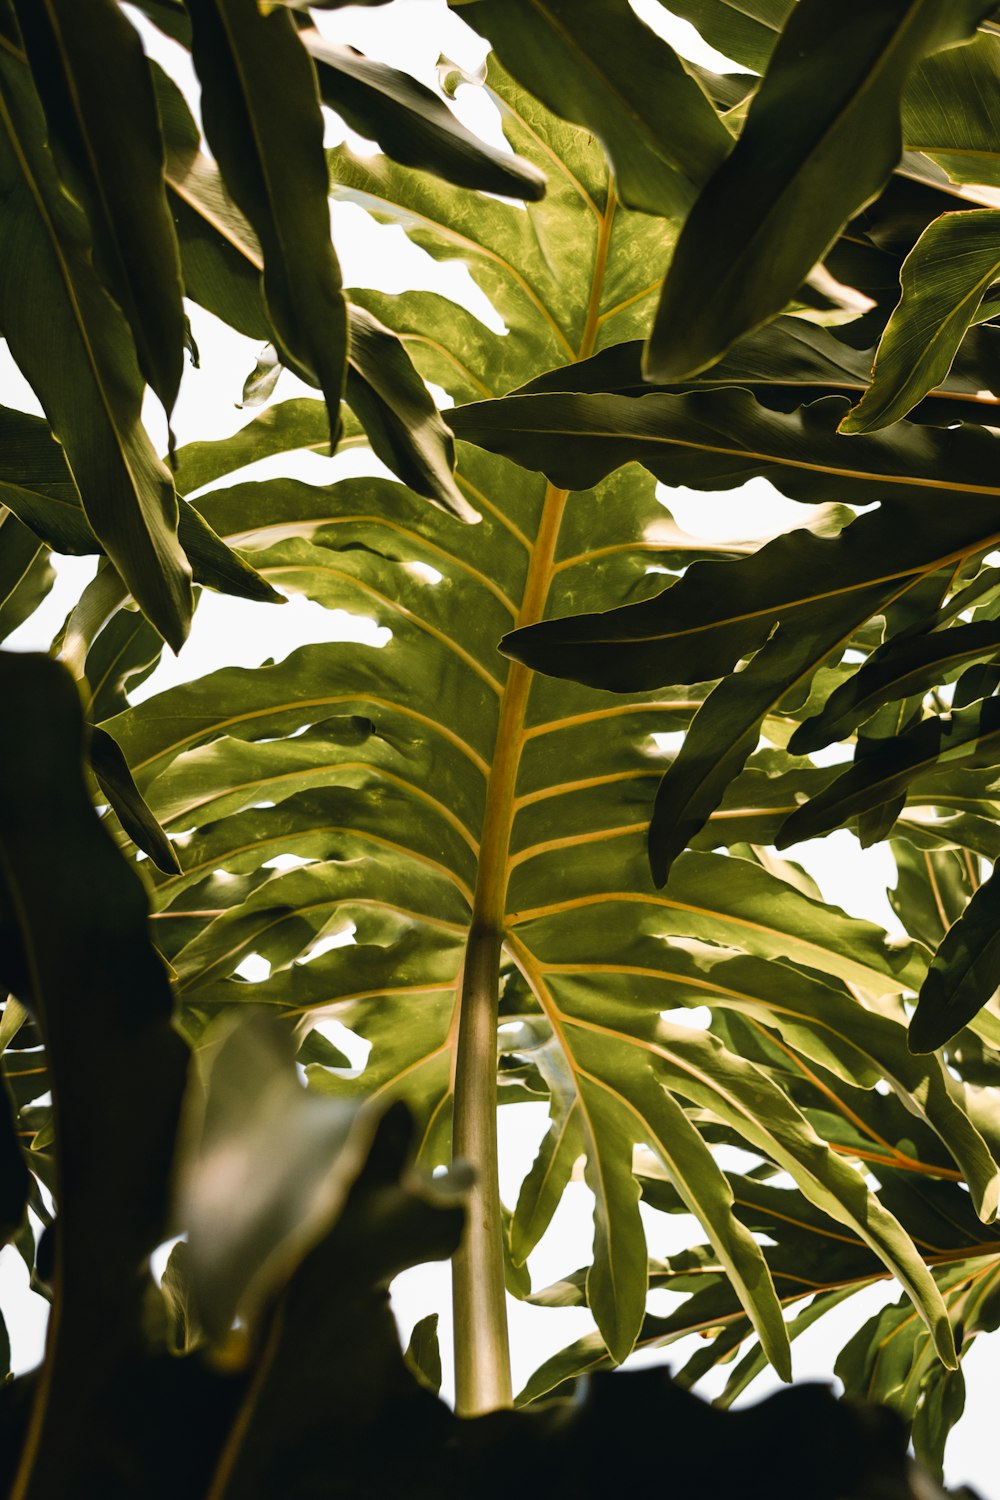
[(964, 972), (796, 174), (101, 996), (412, 124), (409, 774), (262, 119), (596, 63), (110, 142), (944, 280), (73, 344)]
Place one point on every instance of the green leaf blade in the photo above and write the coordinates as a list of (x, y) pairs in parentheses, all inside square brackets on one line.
[(944, 279), (784, 193)]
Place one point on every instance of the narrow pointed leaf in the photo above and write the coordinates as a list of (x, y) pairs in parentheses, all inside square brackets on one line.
[(944, 280), (413, 125), (78, 356), (110, 140), (725, 730), (964, 972), (395, 408), (892, 672), (263, 123), (111, 769), (796, 174), (968, 737)]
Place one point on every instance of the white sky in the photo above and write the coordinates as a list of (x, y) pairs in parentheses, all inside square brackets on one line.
[(412, 34)]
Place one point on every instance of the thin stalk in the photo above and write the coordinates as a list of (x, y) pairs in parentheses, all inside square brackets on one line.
[(482, 1360), (482, 1355)]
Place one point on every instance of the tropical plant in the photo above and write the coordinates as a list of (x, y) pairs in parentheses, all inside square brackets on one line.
[(477, 831)]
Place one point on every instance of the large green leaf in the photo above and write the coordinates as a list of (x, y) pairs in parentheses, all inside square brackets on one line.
[(429, 767), (796, 174), (74, 346), (447, 812)]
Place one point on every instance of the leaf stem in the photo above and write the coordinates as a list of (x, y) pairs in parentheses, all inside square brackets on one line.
[(482, 1361), (482, 1356)]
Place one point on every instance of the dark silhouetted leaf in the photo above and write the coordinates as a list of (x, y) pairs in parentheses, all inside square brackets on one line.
[(964, 972), (783, 194), (262, 118), (109, 140)]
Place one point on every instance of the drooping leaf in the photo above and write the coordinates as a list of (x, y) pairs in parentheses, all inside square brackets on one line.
[(400, 419), (222, 261), (796, 175), (262, 119), (115, 780), (412, 124), (74, 346), (944, 281), (964, 972), (596, 63), (110, 142)]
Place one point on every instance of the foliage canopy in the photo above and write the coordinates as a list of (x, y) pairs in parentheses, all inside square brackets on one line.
[(787, 272)]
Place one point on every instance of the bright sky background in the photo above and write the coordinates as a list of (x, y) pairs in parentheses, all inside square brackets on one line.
[(412, 34)]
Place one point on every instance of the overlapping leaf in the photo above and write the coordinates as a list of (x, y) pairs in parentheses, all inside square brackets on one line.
[(783, 195), (73, 344), (412, 774), (109, 142)]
